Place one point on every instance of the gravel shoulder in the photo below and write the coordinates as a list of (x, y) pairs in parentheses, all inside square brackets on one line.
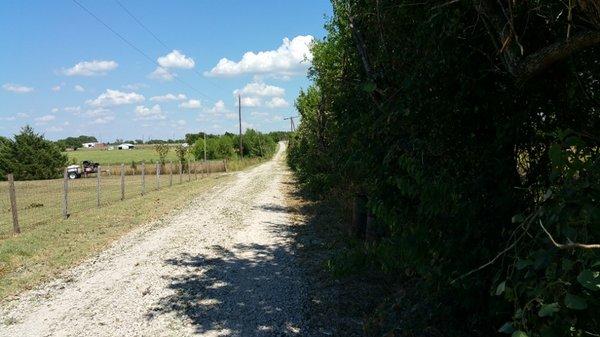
[(223, 266)]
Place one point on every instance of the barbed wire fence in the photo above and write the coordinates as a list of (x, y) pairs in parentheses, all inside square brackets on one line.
[(38, 201)]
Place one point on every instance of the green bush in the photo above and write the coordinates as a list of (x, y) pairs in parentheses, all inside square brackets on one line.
[(30, 156)]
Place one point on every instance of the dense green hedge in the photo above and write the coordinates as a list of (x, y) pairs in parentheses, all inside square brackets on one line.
[(470, 169)]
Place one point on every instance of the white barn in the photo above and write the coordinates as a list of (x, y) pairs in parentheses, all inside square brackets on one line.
[(125, 146)]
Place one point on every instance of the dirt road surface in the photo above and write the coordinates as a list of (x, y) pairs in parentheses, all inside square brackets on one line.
[(224, 266)]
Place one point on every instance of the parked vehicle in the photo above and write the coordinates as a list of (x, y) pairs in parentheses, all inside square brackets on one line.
[(76, 171)]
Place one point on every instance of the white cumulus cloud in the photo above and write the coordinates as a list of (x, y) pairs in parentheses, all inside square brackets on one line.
[(288, 59), (176, 59), (45, 119), (258, 88), (161, 74), (98, 112), (103, 120), (91, 68), (250, 102), (168, 97), (277, 102), (79, 88), (217, 109), (74, 109), (115, 97), (19, 89), (190, 104), (153, 113), (259, 114)]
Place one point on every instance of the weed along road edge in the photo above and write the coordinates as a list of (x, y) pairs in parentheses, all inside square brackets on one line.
[(225, 265)]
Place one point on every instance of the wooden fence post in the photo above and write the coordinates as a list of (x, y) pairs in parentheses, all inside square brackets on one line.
[(225, 164), (65, 209), (98, 173), (189, 176), (143, 178), (170, 174), (208, 168), (13, 203), (122, 182), (195, 171), (158, 176), (180, 172)]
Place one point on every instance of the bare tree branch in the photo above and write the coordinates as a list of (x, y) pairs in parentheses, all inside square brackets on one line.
[(547, 56), (522, 68), (569, 245)]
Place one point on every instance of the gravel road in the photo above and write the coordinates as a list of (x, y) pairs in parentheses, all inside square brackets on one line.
[(224, 266)]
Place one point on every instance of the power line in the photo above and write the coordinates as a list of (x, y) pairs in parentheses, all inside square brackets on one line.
[(141, 24), (160, 41), (140, 51)]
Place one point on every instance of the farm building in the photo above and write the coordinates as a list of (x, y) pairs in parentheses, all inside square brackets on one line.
[(125, 146), (96, 145)]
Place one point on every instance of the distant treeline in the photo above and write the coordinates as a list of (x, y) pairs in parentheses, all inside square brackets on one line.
[(28, 155), (254, 144), (190, 138)]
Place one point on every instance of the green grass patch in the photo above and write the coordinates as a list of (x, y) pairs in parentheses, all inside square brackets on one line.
[(106, 157)]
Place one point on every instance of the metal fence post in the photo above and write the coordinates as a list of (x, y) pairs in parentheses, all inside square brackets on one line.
[(13, 203), (143, 178), (170, 173), (122, 182), (98, 173), (65, 209), (158, 176), (180, 172)]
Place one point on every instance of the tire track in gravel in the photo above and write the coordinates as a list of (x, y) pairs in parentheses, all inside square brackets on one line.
[(223, 266)]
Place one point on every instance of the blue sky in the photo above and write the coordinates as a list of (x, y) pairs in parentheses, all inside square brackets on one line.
[(66, 74)]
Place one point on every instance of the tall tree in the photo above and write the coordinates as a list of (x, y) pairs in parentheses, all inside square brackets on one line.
[(30, 156)]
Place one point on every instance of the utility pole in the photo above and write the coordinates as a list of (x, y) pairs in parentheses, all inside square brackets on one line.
[(292, 125), (240, 116)]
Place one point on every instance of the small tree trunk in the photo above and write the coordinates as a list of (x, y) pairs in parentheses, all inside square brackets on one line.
[(359, 216)]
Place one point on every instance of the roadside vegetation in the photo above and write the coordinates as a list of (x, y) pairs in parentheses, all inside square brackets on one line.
[(468, 132)]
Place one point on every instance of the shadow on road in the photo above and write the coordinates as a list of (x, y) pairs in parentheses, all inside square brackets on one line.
[(247, 290)]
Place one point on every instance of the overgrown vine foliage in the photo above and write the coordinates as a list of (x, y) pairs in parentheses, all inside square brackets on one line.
[(472, 127)]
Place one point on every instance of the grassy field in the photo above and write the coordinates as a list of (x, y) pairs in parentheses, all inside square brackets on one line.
[(105, 157), (48, 244)]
